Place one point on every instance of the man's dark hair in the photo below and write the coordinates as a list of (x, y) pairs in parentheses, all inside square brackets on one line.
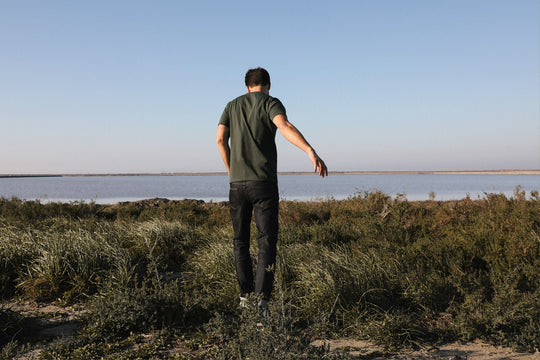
[(256, 77)]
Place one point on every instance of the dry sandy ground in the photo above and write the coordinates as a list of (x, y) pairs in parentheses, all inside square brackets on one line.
[(53, 321), (471, 351)]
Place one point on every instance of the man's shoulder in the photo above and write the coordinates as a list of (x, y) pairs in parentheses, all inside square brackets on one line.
[(242, 97), (258, 95), (250, 99), (238, 100)]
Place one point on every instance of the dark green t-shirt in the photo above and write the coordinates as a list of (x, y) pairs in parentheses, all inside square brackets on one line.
[(252, 136)]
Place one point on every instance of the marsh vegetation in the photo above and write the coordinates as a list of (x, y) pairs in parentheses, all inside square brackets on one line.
[(399, 273)]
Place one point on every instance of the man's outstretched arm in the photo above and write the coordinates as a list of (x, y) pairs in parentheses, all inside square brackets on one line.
[(295, 137), (222, 139)]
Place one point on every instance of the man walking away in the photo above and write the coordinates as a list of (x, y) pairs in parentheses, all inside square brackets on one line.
[(250, 122)]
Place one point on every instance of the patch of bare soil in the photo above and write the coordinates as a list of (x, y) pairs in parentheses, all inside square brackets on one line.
[(471, 351), (49, 320), (44, 322)]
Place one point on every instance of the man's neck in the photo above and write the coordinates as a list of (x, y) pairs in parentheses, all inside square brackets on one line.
[(259, 88)]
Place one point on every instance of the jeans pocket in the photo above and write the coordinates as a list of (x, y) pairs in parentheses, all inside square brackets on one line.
[(234, 196)]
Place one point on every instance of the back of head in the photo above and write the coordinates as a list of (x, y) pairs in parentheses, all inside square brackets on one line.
[(256, 77)]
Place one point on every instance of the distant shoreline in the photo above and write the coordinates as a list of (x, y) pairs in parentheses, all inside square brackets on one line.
[(415, 172)]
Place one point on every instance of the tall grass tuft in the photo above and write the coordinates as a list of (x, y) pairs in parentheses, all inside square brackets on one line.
[(210, 276)]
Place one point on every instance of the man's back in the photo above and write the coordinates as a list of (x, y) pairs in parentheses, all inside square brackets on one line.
[(252, 136)]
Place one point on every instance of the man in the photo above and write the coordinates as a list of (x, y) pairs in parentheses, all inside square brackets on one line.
[(250, 122)]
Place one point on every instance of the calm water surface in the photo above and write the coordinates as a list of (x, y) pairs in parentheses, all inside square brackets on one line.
[(112, 189)]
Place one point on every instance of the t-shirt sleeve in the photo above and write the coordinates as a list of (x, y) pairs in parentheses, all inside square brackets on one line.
[(225, 120), (275, 107)]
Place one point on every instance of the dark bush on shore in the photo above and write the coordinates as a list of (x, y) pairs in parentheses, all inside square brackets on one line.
[(397, 272)]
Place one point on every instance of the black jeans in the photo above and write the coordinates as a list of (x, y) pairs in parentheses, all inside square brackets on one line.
[(261, 198)]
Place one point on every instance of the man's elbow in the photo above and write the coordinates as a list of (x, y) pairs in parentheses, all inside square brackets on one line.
[(220, 141), (222, 136)]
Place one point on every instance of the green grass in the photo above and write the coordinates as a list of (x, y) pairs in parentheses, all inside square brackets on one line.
[(400, 273)]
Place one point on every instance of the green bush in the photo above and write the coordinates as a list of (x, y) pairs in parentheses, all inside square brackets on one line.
[(120, 311)]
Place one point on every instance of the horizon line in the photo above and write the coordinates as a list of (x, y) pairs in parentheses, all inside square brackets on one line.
[(345, 172)]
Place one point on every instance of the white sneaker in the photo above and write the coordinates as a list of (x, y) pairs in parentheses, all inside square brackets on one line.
[(243, 302)]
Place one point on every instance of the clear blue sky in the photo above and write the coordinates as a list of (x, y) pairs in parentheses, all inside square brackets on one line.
[(139, 86)]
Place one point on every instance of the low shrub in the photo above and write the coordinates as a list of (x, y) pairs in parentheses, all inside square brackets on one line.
[(118, 312)]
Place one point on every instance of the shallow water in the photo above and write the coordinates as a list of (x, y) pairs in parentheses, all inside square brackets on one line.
[(112, 189)]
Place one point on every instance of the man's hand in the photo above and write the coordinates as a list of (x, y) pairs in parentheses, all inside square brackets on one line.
[(318, 163), (295, 137)]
